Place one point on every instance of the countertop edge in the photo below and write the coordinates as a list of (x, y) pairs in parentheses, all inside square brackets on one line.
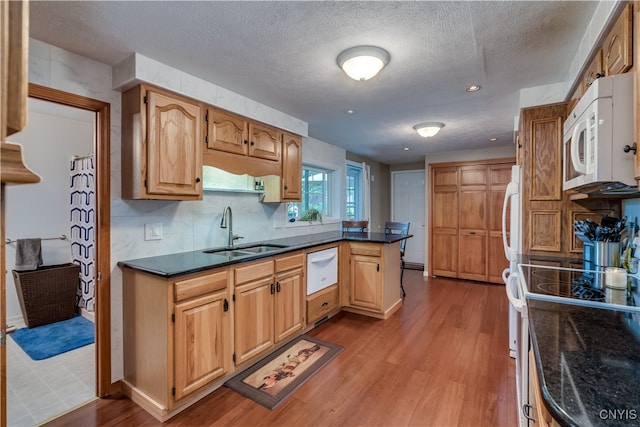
[(554, 409), (323, 239)]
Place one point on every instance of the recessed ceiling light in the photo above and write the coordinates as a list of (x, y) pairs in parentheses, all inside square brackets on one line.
[(473, 88), (350, 111), (493, 139), (406, 148)]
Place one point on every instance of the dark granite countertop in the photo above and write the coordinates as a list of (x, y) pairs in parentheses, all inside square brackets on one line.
[(194, 261), (588, 362)]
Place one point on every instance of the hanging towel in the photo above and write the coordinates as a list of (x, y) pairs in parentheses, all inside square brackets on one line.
[(28, 254)]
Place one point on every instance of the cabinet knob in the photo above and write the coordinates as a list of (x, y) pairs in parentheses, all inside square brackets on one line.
[(252, 143), (246, 142), (197, 180), (286, 188)]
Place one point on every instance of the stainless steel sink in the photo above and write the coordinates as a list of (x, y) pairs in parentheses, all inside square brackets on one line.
[(259, 249), (244, 251), (227, 252)]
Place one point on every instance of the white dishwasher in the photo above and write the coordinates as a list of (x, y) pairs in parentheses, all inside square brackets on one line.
[(322, 269)]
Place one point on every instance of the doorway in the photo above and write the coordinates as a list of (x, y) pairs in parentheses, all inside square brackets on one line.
[(407, 204), (101, 149)]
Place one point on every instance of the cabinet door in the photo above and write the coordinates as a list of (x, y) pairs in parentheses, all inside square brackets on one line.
[(174, 153), (472, 222), (253, 319), (202, 342), (264, 141), (289, 304), (618, 46), (594, 70), (444, 221), (291, 167), (472, 259), (366, 282), (226, 132)]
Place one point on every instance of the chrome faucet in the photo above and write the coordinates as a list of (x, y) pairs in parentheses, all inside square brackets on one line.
[(228, 223)]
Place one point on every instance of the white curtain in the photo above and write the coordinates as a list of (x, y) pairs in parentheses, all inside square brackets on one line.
[(83, 215)]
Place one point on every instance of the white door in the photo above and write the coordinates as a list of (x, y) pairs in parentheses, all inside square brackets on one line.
[(407, 204)]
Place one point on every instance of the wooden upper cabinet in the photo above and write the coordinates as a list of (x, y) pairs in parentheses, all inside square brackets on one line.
[(264, 141), (594, 71), (175, 150), (161, 145), (546, 158), (226, 132), (291, 167), (618, 46)]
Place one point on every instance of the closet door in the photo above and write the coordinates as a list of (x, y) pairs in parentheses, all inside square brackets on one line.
[(472, 222), (444, 221)]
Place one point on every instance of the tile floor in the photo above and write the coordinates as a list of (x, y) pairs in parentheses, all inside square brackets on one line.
[(40, 390)]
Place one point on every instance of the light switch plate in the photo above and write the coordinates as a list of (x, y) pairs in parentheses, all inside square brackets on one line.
[(153, 231)]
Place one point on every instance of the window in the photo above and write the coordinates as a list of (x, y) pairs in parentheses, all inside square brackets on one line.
[(316, 194), (354, 192)]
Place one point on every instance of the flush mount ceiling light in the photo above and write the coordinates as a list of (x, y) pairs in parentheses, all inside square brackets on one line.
[(428, 129), (473, 88), (363, 62)]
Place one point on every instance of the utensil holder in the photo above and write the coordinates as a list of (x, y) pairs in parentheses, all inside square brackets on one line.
[(606, 254)]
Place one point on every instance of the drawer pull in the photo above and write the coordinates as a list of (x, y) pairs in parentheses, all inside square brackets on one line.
[(326, 303)]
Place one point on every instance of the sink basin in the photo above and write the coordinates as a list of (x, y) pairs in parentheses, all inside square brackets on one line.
[(227, 252), (259, 249), (244, 251)]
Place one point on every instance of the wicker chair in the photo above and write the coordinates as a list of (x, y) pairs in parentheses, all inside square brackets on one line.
[(354, 226), (401, 228)]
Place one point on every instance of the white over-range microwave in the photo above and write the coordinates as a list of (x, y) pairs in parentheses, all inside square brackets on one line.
[(599, 136)]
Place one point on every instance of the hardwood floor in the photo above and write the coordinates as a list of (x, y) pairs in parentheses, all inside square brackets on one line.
[(441, 360)]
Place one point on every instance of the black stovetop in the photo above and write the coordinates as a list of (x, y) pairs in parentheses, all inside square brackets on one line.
[(574, 286)]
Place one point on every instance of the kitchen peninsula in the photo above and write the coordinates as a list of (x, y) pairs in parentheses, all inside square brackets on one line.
[(195, 319)]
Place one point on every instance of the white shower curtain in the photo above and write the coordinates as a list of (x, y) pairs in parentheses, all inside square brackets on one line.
[(83, 215)]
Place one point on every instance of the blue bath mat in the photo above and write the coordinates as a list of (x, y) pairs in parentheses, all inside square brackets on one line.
[(43, 342)]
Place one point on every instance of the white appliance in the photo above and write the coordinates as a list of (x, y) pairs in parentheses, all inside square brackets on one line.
[(518, 318), (511, 242), (322, 269), (596, 133)]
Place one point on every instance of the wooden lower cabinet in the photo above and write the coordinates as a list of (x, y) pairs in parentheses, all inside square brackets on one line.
[(177, 336), (374, 278), (202, 342), (539, 415), (253, 318), (269, 304)]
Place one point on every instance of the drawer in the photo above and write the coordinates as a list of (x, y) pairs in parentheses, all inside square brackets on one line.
[(200, 285), (367, 249), (253, 272), (321, 303), (289, 262)]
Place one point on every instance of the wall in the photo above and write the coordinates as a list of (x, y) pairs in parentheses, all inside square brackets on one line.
[(50, 140), (457, 156), (186, 225), (380, 191)]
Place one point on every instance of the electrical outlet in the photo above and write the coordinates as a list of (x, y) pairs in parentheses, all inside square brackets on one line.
[(153, 231)]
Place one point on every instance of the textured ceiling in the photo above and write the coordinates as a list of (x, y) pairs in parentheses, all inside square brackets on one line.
[(283, 54)]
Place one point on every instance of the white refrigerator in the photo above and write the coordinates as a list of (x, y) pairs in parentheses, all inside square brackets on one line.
[(511, 211), (518, 317)]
